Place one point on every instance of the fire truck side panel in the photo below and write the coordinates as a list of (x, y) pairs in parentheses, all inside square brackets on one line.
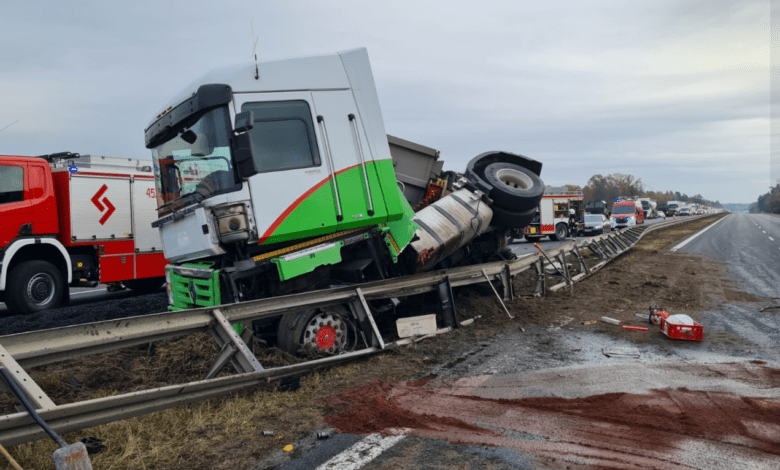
[(546, 214), (100, 207), (114, 268), (149, 265), (144, 204)]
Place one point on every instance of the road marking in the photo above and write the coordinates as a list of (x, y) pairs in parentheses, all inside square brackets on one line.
[(771, 238), (689, 239), (363, 452), (88, 292)]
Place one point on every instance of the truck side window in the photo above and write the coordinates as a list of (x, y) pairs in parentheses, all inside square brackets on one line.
[(283, 135), (11, 184)]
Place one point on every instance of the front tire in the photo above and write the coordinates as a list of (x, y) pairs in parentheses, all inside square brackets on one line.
[(34, 286), (317, 332)]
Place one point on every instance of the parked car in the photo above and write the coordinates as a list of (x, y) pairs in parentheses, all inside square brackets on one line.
[(596, 223)]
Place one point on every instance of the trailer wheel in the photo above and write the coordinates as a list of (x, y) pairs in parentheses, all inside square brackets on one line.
[(514, 187), (34, 286), (317, 332), (512, 219), (561, 232), (145, 286)]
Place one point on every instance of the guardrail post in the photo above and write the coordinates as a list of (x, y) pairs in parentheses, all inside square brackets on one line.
[(541, 281), (360, 309), (31, 390), (447, 303), (583, 267), (506, 280), (234, 349), (565, 270)]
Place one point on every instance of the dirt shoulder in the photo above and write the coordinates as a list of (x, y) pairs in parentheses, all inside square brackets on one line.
[(227, 433)]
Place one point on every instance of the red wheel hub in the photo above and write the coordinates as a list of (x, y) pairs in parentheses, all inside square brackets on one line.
[(326, 337)]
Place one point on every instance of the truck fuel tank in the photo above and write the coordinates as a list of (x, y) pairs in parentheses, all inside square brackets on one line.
[(448, 224)]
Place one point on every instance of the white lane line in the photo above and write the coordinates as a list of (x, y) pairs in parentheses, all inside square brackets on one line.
[(362, 452), (88, 291), (771, 238), (689, 239)]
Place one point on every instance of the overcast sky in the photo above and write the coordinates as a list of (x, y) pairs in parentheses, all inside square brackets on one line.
[(674, 92)]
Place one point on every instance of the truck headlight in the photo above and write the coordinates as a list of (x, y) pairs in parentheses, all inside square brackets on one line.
[(232, 223)]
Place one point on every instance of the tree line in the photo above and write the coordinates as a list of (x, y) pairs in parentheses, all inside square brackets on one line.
[(769, 202), (610, 187)]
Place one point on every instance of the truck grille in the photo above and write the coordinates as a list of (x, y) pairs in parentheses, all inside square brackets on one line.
[(190, 292)]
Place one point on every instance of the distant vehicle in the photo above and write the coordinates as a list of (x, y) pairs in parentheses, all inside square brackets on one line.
[(596, 224), (626, 214), (597, 207), (661, 214), (554, 214), (662, 209), (649, 207), (672, 207), (684, 211)]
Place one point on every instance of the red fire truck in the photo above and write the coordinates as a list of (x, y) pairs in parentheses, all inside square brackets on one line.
[(555, 214), (72, 220)]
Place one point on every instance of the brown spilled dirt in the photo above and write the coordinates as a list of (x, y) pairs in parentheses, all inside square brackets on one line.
[(648, 275), (614, 430)]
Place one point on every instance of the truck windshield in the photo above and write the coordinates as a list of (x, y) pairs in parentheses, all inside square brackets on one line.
[(623, 210), (196, 164)]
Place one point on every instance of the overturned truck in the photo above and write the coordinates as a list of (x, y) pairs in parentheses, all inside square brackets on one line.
[(301, 193)]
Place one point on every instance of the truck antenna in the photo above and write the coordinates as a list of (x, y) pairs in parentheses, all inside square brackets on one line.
[(254, 50)]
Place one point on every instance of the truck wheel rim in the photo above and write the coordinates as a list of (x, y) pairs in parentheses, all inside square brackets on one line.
[(326, 333), (40, 289), (514, 178)]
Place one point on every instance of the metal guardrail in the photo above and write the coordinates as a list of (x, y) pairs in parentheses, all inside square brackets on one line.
[(37, 348)]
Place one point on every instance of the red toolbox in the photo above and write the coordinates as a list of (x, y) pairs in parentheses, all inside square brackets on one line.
[(682, 327)]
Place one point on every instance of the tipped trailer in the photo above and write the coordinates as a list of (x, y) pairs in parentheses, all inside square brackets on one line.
[(277, 178), (75, 220)]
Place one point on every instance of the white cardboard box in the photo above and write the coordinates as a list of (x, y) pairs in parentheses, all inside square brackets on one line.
[(414, 326)]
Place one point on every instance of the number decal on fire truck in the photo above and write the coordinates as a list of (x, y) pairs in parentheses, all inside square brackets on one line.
[(150, 192)]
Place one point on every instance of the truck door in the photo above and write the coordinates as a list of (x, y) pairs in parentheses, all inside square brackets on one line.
[(15, 211)]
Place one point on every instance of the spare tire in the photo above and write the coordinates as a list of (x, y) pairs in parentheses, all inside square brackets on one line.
[(512, 219), (515, 188)]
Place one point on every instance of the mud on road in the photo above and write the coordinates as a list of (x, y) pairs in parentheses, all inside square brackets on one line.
[(200, 435)]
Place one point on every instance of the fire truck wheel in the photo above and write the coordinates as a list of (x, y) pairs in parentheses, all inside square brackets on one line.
[(514, 187), (145, 286), (34, 286), (561, 232), (512, 219), (317, 332)]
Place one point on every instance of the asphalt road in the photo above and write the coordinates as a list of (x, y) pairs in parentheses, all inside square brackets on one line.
[(553, 364)]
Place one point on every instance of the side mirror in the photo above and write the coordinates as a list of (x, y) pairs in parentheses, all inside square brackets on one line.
[(244, 122), (243, 155)]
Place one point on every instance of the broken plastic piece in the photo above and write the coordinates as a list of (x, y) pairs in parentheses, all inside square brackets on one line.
[(288, 448), (611, 320)]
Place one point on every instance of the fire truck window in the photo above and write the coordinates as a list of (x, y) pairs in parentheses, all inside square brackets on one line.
[(11, 184), (283, 135)]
